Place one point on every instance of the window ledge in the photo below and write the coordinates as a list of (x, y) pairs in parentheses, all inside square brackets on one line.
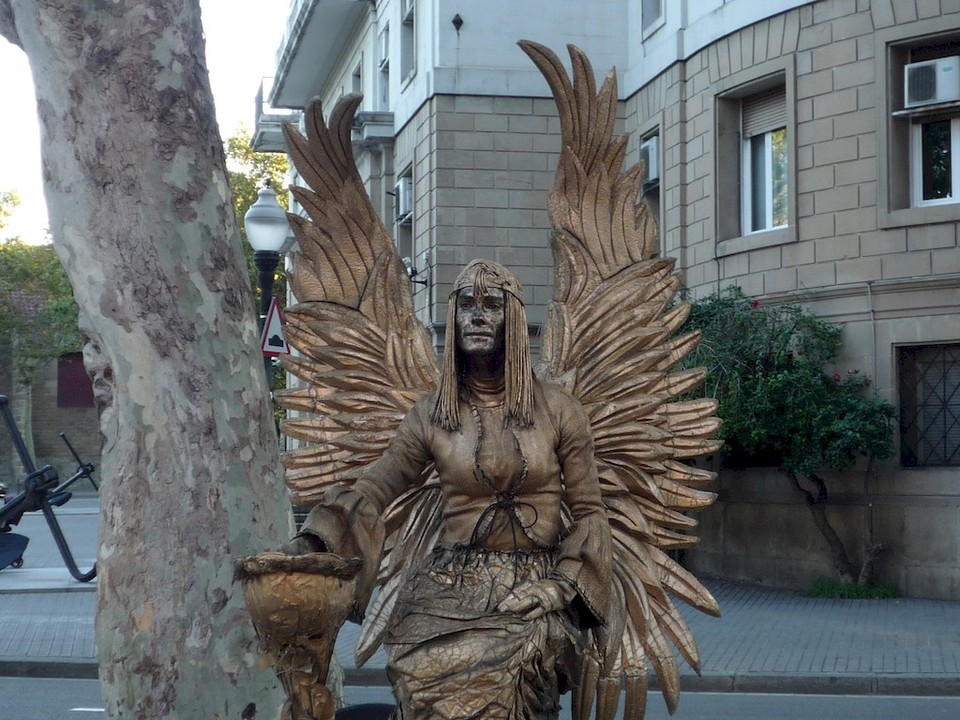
[(925, 215), (932, 109), (756, 241)]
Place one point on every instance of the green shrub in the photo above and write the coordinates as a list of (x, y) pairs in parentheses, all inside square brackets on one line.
[(766, 367), (837, 590)]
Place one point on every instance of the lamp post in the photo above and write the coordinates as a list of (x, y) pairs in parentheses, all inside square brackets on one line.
[(267, 230)]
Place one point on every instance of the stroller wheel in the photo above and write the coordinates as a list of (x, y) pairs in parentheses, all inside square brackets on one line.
[(18, 563)]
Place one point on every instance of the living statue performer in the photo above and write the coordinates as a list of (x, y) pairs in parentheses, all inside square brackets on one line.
[(516, 558), (489, 625)]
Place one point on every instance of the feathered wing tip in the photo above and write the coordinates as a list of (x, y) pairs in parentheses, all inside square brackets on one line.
[(611, 339), (362, 358)]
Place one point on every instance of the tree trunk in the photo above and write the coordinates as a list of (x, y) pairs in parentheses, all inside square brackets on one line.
[(818, 511), (141, 217)]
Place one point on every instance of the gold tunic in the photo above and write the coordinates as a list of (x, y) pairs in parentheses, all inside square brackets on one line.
[(517, 504)]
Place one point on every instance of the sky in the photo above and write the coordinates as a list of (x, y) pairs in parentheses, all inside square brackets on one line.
[(242, 42)]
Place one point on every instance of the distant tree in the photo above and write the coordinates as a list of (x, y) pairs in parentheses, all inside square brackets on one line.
[(9, 199), (767, 368), (38, 315)]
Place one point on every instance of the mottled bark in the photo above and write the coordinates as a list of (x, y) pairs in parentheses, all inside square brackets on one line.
[(141, 217)]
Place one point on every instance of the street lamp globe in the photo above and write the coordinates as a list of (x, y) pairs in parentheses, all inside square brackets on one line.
[(266, 223), (268, 231)]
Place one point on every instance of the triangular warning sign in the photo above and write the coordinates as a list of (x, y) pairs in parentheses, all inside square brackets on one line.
[(272, 341)]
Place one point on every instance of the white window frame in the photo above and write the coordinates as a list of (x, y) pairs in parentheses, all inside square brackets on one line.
[(730, 94), (746, 179), (648, 28), (408, 41), (916, 160), (356, 77)]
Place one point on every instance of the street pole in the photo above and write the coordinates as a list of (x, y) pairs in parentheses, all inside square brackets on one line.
[(266, 262), (267, 230)]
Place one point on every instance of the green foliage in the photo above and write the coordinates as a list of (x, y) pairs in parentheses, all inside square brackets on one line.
[(8, 202), (248, 171), (837, 590), (766, 366), (37, 312)]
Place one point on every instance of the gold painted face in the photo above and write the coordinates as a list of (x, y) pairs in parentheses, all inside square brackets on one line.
[(480, 321)]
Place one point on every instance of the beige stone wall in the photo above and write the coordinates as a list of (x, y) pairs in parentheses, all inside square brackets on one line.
[(494, 161), (483, 167), (888, 281)]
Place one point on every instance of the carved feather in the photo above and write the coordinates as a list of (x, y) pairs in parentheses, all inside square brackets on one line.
[(363, 359), (610, 338)]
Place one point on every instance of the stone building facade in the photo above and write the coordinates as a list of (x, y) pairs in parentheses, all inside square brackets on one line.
[(789, 155)]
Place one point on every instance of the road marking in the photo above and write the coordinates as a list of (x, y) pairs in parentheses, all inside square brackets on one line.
[(96, 710)]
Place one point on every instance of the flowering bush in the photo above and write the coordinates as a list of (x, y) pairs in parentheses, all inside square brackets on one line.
[(767, 368)]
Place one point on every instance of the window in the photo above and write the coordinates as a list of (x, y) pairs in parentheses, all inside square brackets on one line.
[(651, 15), (74, 387), (933, 143), (356, 80), (403, 212), (929, 405), (755, 158), (650, 157), (384, 62), (408, 65), (919, 130), (763, 166)]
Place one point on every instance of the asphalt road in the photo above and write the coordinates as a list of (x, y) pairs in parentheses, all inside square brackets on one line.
[(80, 700), (78, 520)]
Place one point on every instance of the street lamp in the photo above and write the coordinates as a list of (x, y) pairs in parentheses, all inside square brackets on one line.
[(267, 230)]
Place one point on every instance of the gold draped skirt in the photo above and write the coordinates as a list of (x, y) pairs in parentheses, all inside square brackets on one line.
[(453, 656)]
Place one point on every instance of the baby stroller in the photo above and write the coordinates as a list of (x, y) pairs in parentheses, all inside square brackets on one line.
[(42, 491)]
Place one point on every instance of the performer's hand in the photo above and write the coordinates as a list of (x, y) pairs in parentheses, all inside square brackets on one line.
[(536, 598)]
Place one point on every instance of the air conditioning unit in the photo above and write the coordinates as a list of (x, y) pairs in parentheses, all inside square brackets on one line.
[(383, 45), (650, 157), (931, 81), (403, 198)]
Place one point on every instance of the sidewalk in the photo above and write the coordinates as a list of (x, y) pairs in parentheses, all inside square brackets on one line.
[(767, 640)]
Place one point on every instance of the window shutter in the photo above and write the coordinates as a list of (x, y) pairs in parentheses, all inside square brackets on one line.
[(764, 112)]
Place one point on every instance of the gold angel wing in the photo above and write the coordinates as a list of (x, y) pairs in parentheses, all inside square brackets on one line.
[(363, 359), (610, 340)]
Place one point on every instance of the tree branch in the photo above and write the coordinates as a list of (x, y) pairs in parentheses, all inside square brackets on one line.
[(821, 488), (818, 512), (867, 570)]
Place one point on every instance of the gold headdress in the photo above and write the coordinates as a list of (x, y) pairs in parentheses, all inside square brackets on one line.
[(481, 276)]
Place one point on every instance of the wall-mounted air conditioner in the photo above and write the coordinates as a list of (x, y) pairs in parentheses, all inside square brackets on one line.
[(383, 47), (650, 157), (931, 81), (403, 198)]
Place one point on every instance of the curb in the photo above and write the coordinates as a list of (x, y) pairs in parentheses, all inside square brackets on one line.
[(743, 683), (820, 684), (66, 668)]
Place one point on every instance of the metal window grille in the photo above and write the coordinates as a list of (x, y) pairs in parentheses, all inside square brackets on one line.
[(929, 405)]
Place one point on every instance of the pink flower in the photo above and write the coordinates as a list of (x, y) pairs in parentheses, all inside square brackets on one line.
[(836, 377), (755, 303)]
